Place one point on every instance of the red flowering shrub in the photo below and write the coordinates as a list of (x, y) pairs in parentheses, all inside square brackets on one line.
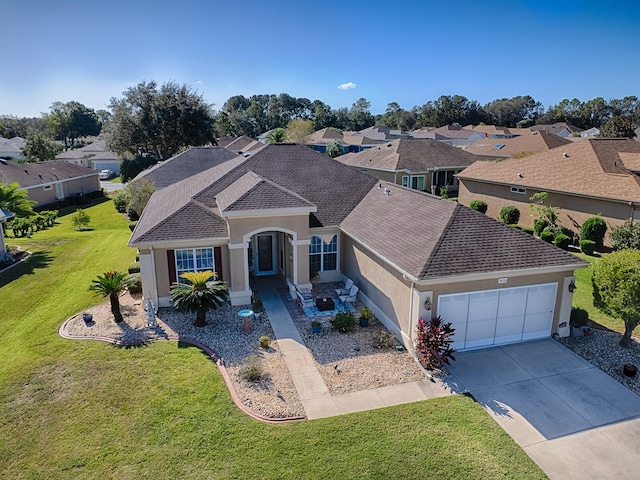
[(433, 342)]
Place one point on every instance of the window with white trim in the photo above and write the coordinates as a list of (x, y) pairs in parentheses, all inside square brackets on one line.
[(323, 255), (520, 190), (405, 180), (193, 260)]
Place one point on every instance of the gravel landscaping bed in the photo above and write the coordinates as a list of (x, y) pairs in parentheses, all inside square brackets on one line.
[(603, 350)]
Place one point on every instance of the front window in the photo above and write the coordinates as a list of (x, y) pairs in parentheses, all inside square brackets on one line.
[(323, 255), (193, 260)]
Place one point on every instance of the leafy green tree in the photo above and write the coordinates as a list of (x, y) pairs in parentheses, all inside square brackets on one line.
[(618, 127), (626, 236), (80, 219), (508, 112), (37, 146), (616, 289), (15, 200), (277, 135), (200, 295), (131, 167), (111, 285), (139, 193), (159, 122), (540, 210), (334, 149), (396, 117), (298, 130), (360, 116), (72, 120)]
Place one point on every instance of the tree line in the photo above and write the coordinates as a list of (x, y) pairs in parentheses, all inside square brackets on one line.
[(154, 121)]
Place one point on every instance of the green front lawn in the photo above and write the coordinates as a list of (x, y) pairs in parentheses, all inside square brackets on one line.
[(82, 409), (583, 298)]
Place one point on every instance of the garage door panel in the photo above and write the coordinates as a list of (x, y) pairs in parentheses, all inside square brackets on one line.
[(541, 298), (509, 329), (454, 309), (513, 302), (537, 325), (481, 326)]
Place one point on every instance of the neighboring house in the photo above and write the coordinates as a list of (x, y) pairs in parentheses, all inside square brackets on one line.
[(11, 148), (242, 145), (529, 142), (288, 210), (350, 141), (560, 129), (591, 177), (185, 164), (94, 156), (380, 132), (49, 182), (420, 163), (456, 136), (590, 133)]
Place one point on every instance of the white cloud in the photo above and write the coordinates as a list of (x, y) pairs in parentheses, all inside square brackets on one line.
[(347, 86)]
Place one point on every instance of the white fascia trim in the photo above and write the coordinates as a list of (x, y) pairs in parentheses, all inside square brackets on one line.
[(172, 244), (269, 212), (406, 275), (500, 274), (624, 201), (238, 246), (59, 181)]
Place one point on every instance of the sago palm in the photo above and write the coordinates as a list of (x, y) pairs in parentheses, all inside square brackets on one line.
[(111, 285), (200, 295), (15, 200)]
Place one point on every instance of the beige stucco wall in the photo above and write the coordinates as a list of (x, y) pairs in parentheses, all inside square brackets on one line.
[(573, 210), (69, 187), (238, 227)]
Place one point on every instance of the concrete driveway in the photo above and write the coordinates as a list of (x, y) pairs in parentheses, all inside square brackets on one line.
[(573, 419)]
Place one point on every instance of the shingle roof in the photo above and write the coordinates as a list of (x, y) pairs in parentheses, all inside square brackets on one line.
[(592, 167), (185, 164), (415, 154), (38, 173), (525, 142), (556, 127), (451, 240)]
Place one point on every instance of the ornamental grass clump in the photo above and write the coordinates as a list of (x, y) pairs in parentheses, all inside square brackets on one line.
[(433, 342)]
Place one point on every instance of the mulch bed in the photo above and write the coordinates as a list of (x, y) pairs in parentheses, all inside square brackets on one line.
[(17, 254)]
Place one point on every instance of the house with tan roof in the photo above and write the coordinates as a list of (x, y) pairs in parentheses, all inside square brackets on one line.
[(288, 210), (350, 141), (94, 156), (528, 142), (591, 177), (419, 163), (48, 183), (562, 129)]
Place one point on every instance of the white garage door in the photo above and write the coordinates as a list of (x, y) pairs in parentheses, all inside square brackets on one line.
[(496, 317)]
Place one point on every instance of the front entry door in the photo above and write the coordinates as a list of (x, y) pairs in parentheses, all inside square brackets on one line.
[(265, 254)]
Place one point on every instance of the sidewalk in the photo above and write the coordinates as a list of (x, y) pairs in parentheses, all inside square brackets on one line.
[(314, 395)]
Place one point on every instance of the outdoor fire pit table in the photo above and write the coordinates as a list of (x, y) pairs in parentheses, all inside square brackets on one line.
[(325, 304), (246, 328)]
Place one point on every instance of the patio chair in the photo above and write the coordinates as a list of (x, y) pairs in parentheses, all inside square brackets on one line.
[(351, 297), (305, 299), (347, 287)]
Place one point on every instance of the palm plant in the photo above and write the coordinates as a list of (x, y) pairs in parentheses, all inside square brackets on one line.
[(277, 135), (200, 295), (15, 200), (111, 285)]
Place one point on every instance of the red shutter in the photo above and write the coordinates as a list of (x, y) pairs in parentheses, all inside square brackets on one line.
[(171, 261), (217, 261)]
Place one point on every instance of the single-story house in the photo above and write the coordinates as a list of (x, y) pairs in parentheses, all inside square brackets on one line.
[(350, 141), (561, 129), (94, 156), (242, 145), (526, 143), (11, 148), (185, 165), (49, 182), (419, 163), (591, 177), (288, 210)]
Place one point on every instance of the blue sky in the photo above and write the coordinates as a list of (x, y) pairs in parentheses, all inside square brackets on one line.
[(409, 52)]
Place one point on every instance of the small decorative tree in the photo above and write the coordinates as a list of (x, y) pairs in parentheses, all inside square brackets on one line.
[(540, 210), (200, 295), (80, 220), (334, 149), (277, 135), (433, 342), (616, 289), (594, 229), (111, 285)]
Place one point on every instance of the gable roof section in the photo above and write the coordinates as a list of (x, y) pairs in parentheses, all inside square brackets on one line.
[(592, 167), (39, 173), (452, 240), (537, 141), (415, 154), (185, 164), (334, 188)]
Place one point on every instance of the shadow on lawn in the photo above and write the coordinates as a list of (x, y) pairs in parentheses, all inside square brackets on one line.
[(26, 267)]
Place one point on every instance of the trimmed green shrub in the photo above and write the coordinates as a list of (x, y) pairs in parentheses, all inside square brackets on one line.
[(626, 236), (134, 267), (478, 205), (547, 236), (344, 322), (594, 229), (539, 224), (527, 230), (509, 215), (579, 317), (136, 283), (587, 246), (562, 241), (121, 201)]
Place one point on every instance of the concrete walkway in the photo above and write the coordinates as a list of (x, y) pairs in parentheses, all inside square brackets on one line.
[(314, 395), (574, 420)]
